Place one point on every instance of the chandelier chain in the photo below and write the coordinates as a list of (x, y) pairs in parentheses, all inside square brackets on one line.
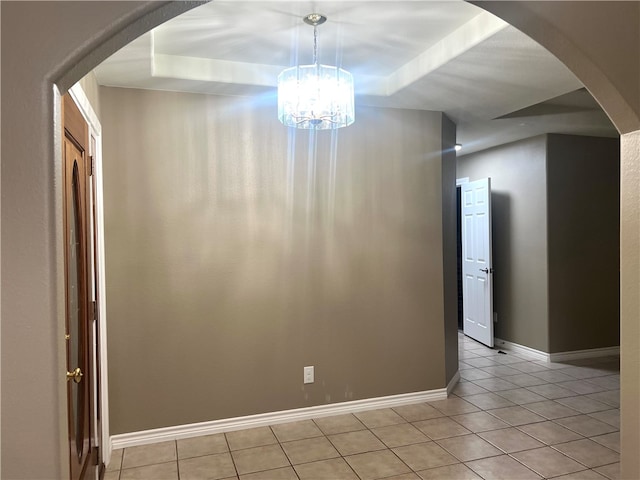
[(315, 45)]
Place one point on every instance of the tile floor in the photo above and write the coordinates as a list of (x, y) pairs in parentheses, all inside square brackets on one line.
[(510, 417)]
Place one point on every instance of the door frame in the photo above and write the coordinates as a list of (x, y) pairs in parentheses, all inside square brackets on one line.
[(459, 277), (78, 265), (102, 401)]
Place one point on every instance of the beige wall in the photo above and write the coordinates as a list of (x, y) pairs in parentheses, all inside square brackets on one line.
[(555, 240), (519, 199), (630, 305), (583, 218), (32, 407), (449, 254), (235, 257)]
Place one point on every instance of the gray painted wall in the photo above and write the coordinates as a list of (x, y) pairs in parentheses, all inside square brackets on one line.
[(519, 199), (583, 187), (555, 240), (449, 256), (235, 257)]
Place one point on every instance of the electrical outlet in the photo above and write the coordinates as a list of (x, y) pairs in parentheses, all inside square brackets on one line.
[(308, 375)]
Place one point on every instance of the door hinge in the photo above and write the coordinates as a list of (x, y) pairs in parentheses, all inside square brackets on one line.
[(92, 165), (94, 307), (95, 453)]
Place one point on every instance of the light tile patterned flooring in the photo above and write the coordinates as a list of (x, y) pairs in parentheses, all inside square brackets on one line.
[(509, 418)]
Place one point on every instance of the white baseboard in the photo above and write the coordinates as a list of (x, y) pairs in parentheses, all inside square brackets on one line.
[(522, 349), (177, 432), (453, 382), (580, 354), (559, 356)]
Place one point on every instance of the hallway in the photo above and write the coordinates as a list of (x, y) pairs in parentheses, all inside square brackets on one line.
[(510, 417)]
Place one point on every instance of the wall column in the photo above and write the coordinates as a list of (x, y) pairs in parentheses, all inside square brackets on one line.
[(630, 303)]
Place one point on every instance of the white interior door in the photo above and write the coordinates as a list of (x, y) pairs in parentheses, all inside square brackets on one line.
[(477, 284)]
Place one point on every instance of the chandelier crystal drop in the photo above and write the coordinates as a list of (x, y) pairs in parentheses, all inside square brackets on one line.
[(315, 96)]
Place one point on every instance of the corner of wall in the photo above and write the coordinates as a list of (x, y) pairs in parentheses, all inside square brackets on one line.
[(449, 259), (547, 138), (630, 304), (581, 225)]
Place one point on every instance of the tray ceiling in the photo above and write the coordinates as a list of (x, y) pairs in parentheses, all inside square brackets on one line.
[(447, 56)]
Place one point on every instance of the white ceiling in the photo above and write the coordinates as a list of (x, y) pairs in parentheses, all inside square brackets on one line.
[(447, 56)]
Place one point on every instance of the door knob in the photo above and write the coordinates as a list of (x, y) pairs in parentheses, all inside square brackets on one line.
[(486, 270), (76, 375)]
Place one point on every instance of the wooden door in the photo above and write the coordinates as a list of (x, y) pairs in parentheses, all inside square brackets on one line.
[(477, 297), (78, 288)]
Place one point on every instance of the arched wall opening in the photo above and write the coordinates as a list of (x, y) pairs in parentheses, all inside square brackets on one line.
[(33, 430)]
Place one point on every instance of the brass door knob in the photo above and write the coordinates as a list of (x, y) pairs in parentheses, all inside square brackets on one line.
[(76, 375)]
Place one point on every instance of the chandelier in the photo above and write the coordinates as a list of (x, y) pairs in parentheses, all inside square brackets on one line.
[(318, 97)]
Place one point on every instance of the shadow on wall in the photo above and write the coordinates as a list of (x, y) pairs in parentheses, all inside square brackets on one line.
[(502, 269)]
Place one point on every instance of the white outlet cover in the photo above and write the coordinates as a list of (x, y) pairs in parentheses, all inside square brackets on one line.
[(308, 375)]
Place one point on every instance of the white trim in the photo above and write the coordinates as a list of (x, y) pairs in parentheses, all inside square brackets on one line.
[(102, 306), (521, 349), (84, 105), (453, 382), (580, 354), (264, 419), (559, 356), (82, 101), (462, 181)]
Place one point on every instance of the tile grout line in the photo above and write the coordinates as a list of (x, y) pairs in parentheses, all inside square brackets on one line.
[(175, 446), (233, 461)]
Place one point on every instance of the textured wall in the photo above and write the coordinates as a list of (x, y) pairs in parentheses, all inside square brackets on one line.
[(518, 182), (449, 255), (630, 305), (583, 218), (237, 254)]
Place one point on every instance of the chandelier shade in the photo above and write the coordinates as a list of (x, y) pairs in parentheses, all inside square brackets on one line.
[(315, 97), (318, 97)]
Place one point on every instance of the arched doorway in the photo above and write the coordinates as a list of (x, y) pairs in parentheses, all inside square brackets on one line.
[(33, 398)]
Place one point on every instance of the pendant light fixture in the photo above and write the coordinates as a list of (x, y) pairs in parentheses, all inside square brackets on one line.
[(315, 96)]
